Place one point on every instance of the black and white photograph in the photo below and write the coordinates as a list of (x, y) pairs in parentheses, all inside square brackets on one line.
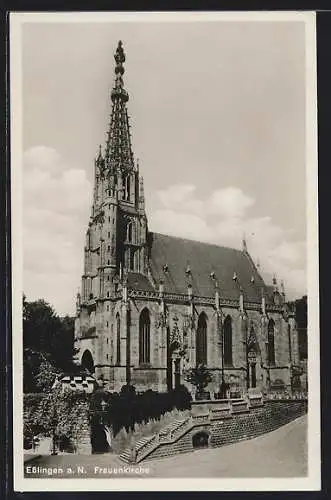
[(165, 251)]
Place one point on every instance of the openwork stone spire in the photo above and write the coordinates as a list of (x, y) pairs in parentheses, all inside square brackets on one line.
[(118, 154)]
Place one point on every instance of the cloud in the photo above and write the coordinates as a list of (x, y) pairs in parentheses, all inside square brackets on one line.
[(181, 224), (181, 213), (229, 202), (56, 202), (180, 197)]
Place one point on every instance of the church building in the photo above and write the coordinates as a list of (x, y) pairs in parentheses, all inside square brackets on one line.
[(152, 305)]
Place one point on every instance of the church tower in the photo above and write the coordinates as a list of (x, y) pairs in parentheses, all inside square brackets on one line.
[(116, 236)]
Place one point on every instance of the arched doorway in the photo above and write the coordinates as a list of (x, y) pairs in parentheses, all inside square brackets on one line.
[(200, 440), (251, 368), (87, 361), (99, 441)]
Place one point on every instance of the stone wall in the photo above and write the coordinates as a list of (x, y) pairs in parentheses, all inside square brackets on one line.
[(236, 428), (83, 438)]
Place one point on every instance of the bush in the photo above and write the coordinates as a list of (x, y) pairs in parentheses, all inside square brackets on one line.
[(59, 414), (129, 409)]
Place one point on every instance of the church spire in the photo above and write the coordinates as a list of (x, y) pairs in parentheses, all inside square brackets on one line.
[(118, 152)]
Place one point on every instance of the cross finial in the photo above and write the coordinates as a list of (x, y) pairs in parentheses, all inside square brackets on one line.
[(119, 54)]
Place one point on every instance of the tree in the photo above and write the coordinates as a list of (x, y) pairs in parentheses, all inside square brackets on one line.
[(200, 377), (40, 325), (299, 307), (48, 342), (39, 372), (62, 414)]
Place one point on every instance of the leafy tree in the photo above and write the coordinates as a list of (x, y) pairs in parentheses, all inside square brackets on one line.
[(200, 377), (39, 372), (40, 325), (48, 342), (299, 307), (60, 414)]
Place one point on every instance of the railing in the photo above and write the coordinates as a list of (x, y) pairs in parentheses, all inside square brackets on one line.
[(145, 446), (300, 395)]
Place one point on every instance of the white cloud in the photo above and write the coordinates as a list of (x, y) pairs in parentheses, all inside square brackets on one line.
[(229, 202), (180, 197), (181, 224), (56, 202), (267, 241)]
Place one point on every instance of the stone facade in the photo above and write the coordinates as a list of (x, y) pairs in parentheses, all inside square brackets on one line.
[(151, 306)]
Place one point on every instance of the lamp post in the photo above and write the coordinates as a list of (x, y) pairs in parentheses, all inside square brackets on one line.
[(103, 405)]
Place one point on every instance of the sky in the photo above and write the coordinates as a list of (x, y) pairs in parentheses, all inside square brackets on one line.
[(217, 111)]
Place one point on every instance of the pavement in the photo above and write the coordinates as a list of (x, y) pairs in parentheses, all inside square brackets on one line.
[(281, 453)]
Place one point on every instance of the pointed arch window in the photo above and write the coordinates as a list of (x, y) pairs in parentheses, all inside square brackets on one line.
[(118, 339), (128, 187), (144, 337), (227, 340), (131, 259), (271, 342), (201, 340), (129, 232)]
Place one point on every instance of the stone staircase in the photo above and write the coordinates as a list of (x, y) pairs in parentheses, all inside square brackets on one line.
[(127, 454), (144, 445), (240, 406), (228, 422)]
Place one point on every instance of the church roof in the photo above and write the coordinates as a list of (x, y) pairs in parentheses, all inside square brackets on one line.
[(139, 281), (201, 259)]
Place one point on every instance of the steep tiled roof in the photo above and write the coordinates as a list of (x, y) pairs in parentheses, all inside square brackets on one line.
[(203, 259), (139, 282)]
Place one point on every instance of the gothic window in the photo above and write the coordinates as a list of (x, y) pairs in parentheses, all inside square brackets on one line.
[(227, 339), (108, 248), (129, 231), (131, 259), (271, 342), (128, 188), (289, 342), (201, 340), (144, 337), (118, 339)]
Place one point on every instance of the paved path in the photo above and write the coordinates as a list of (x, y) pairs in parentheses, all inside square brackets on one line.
[(281, 453)]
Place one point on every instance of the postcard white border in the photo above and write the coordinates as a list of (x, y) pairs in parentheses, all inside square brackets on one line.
[(313, 481)]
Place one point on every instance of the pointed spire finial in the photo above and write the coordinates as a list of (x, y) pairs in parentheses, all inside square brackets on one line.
[(118, 152), (258, 264)]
